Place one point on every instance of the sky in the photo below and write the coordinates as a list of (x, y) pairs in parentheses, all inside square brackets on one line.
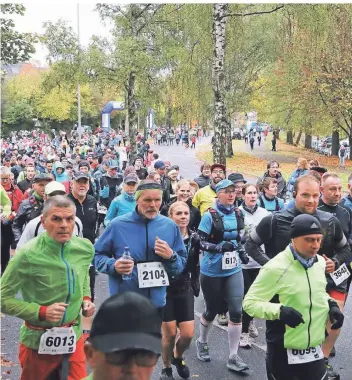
[(37, 13)]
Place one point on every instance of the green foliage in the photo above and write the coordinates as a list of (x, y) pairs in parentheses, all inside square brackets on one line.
[(15, 47)]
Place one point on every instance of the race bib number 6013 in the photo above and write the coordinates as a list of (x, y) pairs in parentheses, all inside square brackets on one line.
[(58, 341)]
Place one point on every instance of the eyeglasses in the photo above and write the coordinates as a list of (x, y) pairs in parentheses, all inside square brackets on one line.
[(5, 179), (228, 191), (218, 171), (142, 358), (274, 167)]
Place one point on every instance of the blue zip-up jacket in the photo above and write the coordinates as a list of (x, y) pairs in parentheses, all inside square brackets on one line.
[(291, 181), (347, 201), (138, 233), (121, 205), (63, 177)]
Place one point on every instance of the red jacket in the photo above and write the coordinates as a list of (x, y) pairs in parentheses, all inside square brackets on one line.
[(16, 197)]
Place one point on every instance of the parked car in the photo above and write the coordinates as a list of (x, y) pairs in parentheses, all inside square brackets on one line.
[(236, 134)]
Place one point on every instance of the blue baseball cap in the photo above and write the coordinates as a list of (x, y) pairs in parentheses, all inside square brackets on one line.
[(223, 185)]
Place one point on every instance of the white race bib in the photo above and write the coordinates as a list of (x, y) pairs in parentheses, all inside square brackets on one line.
[(229, 260), (58, 341), (307, 355), (340, 275), (152, 274)]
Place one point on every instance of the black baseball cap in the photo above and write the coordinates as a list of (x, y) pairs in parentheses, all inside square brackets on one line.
[(79, 175), (305, 224), (126, 321), (236, 177), (41, 177)]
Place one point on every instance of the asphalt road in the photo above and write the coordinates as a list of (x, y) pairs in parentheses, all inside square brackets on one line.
[(218, 343)]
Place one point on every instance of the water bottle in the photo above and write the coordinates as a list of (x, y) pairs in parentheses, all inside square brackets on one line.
[(127, 256)]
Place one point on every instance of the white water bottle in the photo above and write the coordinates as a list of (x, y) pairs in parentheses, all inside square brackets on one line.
[(127, 256)]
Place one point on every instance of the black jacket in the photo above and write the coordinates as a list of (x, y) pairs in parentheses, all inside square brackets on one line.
[(114, 189), (24, 185), (202, 181), (342, 213), (88, 213), (194, 214), (29, 209), (274, 232)]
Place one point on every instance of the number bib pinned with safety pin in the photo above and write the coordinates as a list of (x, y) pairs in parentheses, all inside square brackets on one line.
[(340, 275), (151, 275), (58, 341), (229, 260)]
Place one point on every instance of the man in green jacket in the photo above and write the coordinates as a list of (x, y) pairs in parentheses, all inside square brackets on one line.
[(51, 273), (290, 293)]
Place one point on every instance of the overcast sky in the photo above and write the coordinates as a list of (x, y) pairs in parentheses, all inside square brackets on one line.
[(37, 14)]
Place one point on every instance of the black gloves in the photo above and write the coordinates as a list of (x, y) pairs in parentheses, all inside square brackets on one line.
[(227, 246), (290, 316), (335, 315), (242, 254)]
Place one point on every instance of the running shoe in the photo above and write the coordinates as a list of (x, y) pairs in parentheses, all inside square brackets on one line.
[(222, 320), (333, 353), (166, 374), (236, 364), (253, 331), (203, 351), (181, 367), (244, 341), (332, 375)]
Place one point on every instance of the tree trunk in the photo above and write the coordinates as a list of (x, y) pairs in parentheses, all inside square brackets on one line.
[(350, 143), (132, 115), (229, 150), (335, 143), (289, 137), (299, 137), (168, 117), (220, 115), (308, 141)]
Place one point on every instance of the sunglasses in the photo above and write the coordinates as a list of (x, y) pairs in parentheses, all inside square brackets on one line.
[(142, 358)]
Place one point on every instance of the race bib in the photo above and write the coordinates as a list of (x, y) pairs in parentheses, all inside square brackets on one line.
[(58, 341), (229, 260), (310, 354), (340, 275), (152, 274)]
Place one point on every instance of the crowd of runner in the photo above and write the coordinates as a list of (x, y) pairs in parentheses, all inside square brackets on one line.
[(74, 205)]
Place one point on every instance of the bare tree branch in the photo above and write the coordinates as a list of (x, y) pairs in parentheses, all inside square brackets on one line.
[(254, 13)]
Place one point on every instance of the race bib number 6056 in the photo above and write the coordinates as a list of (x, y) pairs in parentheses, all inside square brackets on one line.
[(58, 341), (311, 354)]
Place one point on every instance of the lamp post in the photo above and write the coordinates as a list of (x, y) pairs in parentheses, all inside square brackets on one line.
[(79, 65)]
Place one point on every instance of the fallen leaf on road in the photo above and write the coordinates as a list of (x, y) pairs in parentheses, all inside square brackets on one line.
[(6, 363)]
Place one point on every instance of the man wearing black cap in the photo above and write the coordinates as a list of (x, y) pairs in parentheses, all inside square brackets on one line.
[(204, 197), (290, 293), (274, 232), (123, 348), (238, 180), (87, 212), (30, 208)]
